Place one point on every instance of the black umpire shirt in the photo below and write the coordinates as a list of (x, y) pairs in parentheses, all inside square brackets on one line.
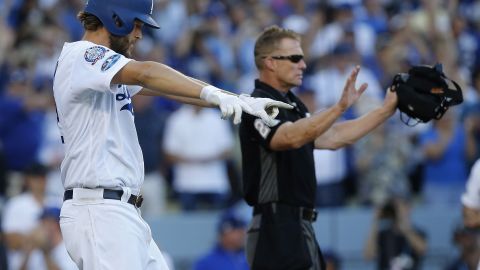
[(276, 176)]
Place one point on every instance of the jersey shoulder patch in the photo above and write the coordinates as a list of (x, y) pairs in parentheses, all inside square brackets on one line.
[(95, 53), (110, 61)]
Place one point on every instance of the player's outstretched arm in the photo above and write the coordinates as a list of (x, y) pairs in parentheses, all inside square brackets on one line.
[(187, 100), (160, 79)]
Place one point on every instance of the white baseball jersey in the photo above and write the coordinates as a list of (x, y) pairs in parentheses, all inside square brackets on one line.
[(471, 197), (95, 119)]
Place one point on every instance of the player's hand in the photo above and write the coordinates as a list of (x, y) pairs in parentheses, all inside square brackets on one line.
[(229, 104), (265, 108), (233, 105), (350, 93)]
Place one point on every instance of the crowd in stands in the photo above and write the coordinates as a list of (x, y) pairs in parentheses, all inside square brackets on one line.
[(213, 40)]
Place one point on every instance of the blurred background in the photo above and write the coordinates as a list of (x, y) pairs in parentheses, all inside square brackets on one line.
[(392, 197)]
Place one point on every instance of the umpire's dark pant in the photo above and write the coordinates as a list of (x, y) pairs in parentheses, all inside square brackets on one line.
[(282, 240)]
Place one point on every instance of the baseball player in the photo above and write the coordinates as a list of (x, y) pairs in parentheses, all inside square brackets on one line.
[(102, 171)]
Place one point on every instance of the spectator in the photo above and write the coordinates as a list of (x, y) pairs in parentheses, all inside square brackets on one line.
[(467, 44), (172, 15), (229, 252), (20, 218), (47, 238), (328, 82), (399, 49), (394, 241), (374, 15), (431, 19), (21, 121), (446, 155), (382, 165), (197, 143)]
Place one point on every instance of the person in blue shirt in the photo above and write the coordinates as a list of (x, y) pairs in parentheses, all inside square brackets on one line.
[(446, 149), (21, 121), (228, 253)]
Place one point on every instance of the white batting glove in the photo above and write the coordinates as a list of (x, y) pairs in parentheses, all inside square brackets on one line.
[(230, 105), (265, 108)]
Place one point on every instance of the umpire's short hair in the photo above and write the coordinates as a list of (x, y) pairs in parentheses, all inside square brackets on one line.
[(269, 41)]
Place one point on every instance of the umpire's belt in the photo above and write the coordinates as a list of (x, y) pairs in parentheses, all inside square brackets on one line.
[(110, 194), (308, 214)]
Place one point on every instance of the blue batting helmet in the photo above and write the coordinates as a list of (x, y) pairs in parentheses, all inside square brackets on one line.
[(118, 16)]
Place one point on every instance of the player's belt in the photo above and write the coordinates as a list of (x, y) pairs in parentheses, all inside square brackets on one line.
[(308, 214), (111, 194)]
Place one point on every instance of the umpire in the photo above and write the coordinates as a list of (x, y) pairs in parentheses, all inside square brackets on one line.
[(278, 166)]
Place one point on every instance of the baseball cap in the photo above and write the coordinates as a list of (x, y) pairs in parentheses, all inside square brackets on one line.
[(51, 212), (230, 221)]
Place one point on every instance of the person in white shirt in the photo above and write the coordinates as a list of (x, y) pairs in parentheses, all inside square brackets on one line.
[(20, 218), (198, 155), (46, 239), (102, 171), (328, 82)]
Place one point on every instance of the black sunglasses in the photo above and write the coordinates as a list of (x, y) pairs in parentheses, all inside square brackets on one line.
[(294, 58)]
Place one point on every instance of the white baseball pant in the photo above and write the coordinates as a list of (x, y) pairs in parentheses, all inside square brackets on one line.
[(105, 234)]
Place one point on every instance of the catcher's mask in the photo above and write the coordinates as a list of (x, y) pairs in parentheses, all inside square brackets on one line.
[(425, 93)]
